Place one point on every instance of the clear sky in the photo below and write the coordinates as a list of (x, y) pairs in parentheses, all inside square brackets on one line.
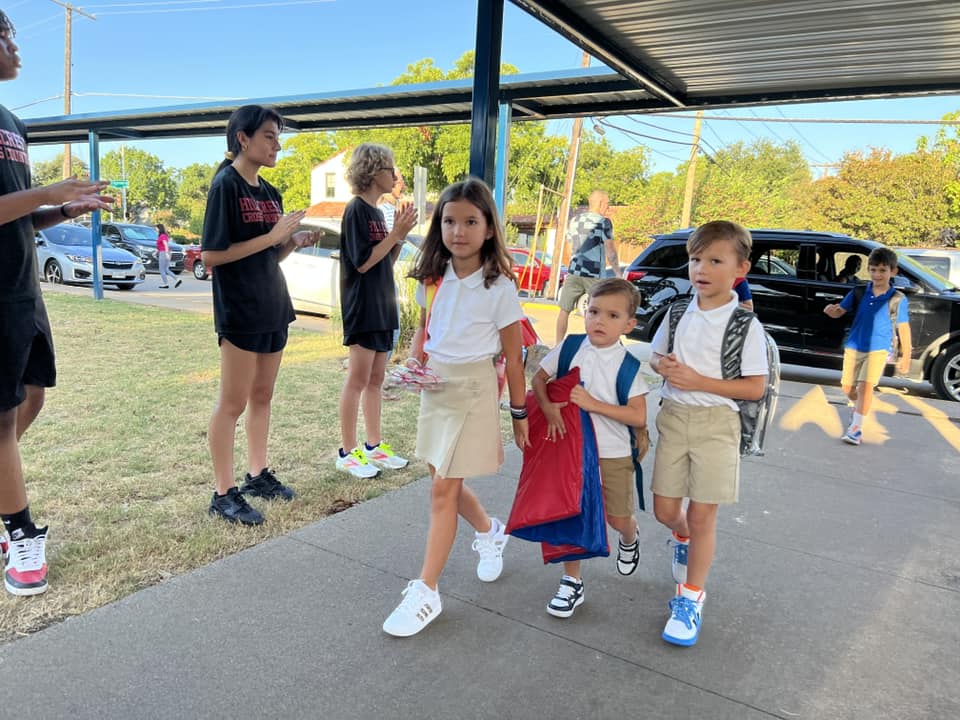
[(200, 50)]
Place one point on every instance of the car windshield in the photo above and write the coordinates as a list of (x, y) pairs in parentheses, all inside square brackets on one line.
[(938, 282), (140, 232), (68, 235)]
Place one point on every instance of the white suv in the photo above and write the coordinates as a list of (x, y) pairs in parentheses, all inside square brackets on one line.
[(943, 261)]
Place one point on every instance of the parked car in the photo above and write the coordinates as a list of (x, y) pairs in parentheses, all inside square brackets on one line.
[(313, 272), (141, 240), (192, 262), (789, 298), (533, 275), (943, 261), (65, 255)]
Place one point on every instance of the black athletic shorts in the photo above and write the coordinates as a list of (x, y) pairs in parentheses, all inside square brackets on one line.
[(26, 350), (378, 341), (262, 343)]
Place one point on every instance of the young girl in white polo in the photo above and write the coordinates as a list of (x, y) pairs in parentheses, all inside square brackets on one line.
[(470, 312)]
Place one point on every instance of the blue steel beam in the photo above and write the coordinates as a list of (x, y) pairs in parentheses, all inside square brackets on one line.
[(95, 219)]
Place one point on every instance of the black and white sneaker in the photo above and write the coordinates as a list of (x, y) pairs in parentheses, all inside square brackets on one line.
[(266, 486), (233, 507), (628, 556), (568, 598)]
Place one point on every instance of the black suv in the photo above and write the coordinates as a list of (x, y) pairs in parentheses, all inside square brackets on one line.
[(141, 240), (793, 277)]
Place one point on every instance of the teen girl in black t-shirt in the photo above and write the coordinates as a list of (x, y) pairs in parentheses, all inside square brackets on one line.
[(245, 236)]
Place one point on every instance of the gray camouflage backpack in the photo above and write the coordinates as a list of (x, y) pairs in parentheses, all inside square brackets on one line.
[(755, 415)]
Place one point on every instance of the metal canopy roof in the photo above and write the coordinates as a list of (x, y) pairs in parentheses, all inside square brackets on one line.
[(722, 52), (533, 97), (670, 54)]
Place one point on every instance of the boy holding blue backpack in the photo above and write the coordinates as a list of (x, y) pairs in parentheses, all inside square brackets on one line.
[(614, 394), (699, 424)]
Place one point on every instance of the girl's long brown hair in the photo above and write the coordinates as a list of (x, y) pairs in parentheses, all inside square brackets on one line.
[(433, 256)]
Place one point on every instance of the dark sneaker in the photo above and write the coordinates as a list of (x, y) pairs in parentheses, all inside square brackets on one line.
[(26, 570), (568, 598), (233, 507), (266, 486)]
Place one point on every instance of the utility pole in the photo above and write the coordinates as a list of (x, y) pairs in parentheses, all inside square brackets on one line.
[(691, 173), (67, 46), (561, 236)]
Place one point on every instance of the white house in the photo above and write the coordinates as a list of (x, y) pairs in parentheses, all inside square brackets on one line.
[(328, 182)]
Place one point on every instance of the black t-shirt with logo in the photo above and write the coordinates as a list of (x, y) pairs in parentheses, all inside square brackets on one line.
[(249, 295), (18, 260), (368, 301)]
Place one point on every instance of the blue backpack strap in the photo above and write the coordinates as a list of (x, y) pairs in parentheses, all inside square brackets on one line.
[(571, 343), (629, 368)]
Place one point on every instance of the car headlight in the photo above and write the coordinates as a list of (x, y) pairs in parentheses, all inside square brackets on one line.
[(79, 259)]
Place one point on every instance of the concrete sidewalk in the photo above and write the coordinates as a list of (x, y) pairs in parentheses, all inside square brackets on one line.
[(835, 594)]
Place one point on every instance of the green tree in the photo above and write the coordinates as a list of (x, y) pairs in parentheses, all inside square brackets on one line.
[(193, 184), (291, 176), (622, 174), (47, 172), (757, 185), (152, 186), (896, 200), (947, 142)]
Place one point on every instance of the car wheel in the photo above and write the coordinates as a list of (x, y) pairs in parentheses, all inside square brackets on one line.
[(199, 270), (125, 286), (946, 374), (53, 272)]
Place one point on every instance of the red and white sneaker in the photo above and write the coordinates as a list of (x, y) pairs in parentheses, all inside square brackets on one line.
[(4, 547), (26, 570)]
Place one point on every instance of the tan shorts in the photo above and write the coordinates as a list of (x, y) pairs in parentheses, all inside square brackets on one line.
[(458, 429), (862, 367), (617, 476), (698, 453), (574, 288)]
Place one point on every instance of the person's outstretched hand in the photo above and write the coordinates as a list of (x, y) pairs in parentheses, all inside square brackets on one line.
[(405, 219)]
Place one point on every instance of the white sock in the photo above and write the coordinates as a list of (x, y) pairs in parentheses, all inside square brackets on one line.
[(857, 420), (494, 527)]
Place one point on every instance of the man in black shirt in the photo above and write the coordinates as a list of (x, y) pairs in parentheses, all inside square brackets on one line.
[(26, 354)]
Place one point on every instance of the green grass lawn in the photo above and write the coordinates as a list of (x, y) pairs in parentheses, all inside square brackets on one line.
[(117, 462)]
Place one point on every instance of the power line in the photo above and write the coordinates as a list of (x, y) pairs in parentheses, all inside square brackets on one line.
[(283, 3), (802, 136), (861, 121)]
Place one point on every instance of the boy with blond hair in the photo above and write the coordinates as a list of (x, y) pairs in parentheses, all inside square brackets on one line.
[(698, 453), (880, 315), (599, 354)]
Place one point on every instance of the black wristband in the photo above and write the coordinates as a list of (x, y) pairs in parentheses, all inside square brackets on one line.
[(63, 211), (518, 414)]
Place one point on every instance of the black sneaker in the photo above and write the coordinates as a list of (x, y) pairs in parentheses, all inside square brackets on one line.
[(568, 598), (233, 507), (267, 486)]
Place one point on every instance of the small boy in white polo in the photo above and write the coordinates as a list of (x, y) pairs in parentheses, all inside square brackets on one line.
[(698, 453)]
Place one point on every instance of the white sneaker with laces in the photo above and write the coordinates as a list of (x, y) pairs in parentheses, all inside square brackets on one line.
[(26, 568), (419, 608), (355, 463), (384, 456), (490, 546), (686, 613)]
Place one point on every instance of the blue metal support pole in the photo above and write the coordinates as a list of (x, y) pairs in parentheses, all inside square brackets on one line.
[(503, 158), (95, 219), (486, 87)]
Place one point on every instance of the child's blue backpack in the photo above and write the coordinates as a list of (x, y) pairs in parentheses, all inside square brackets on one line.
[(755, 415), (629, 367)]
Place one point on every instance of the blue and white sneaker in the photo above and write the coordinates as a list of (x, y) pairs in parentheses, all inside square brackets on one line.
[(679, 563), (852, 436), (686, 610)]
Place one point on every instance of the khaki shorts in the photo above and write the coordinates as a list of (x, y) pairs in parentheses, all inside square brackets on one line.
[(617, 476), (574, 288), (863, 367), (698, 453)]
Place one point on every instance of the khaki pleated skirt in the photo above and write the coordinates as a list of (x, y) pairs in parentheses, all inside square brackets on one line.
[(458, 430)]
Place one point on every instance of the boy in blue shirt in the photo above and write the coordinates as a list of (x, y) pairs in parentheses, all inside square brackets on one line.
[(871, 338)]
